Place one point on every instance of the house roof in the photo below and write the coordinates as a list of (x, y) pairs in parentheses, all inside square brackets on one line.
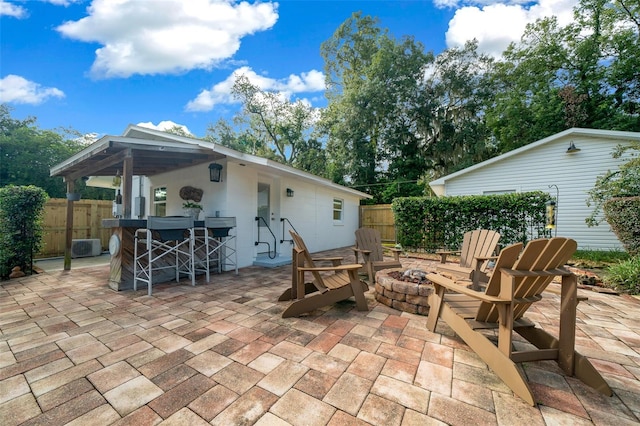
[(154, 152), (438, 185)]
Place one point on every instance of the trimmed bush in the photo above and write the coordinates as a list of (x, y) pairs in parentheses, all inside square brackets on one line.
[(21, 210), (623, 214), (432, 223)]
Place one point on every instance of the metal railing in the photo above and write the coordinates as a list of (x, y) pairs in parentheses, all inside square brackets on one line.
[(260, 219), (284, 221)]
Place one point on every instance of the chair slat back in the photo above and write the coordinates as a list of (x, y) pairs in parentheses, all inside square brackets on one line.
[(308, 261), (480, 243), (370, 239), (539, 255)]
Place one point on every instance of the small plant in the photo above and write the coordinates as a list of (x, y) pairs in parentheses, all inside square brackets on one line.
[(191, 205), (624, 276)]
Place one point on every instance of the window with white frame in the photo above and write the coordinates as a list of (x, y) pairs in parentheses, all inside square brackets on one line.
[(160, 201), (338, 209)]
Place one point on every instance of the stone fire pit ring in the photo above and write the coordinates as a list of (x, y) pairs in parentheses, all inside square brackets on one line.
[(401, 295)]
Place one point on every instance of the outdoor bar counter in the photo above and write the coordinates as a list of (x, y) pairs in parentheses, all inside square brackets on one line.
[(121, 248)]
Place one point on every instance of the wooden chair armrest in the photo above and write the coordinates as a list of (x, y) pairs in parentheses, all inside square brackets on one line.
[(359, 250), (453, 286), (326, 259), (347, 267), (481, 259), (443, 254), (395, 252)]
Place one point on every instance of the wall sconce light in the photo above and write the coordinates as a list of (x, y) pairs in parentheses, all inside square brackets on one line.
[(572, 148), (289, 192), (215, 170)]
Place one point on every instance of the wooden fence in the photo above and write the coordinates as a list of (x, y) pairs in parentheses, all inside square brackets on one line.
[(88, 215), (380, 217), (87, 223)]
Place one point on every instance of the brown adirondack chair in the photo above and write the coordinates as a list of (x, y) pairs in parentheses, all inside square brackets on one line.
[(369, 245), (342, 283), (478, 247), (516, 284)]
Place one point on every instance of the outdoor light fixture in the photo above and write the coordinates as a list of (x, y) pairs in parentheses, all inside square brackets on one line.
[(572, 148), (289, 192), (215, 170), (116, 179)]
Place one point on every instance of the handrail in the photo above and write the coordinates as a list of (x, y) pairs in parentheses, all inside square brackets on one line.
[(258, 219), (283, 219)]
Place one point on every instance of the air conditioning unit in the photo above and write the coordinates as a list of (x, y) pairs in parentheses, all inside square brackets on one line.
[(85, 248)]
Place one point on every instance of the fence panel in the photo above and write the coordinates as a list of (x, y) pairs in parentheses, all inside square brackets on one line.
[(380, 217), (87, 223)]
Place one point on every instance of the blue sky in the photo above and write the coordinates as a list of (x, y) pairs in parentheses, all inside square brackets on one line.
[(98, 66)]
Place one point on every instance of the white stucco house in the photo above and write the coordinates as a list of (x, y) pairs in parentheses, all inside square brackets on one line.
[(565, 165), (155, 165)]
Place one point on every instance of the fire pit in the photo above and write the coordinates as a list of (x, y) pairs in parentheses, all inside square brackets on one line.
[(405, 290)]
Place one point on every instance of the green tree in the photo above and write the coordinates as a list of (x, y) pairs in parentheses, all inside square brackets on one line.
[(454, 133), (285, 126), (372, 80), (27, 153), (581, 75)]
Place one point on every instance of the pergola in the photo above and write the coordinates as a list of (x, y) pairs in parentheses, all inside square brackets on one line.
[(128, 156)]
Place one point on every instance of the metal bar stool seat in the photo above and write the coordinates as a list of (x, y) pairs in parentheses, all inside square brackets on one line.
[(167, 243), (214, 246)]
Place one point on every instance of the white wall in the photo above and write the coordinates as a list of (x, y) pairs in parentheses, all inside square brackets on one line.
[(310, 210), (549, 164)]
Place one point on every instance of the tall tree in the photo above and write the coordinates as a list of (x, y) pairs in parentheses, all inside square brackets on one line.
[(454, 133), (285, 126), (28, 152), (582, 75), (371, 78)]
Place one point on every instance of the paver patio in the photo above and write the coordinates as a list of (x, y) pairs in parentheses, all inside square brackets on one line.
[(72, 351)]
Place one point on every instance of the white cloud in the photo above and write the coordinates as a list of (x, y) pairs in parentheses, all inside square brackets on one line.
[(220, 93), (169, 36), (16, 89), (164, 125), (13, 10), (497, 24)]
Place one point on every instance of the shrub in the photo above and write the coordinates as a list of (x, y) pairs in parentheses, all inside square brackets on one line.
[(21, 210), (430, 223), (624, 182), (624, 276), (623, 214)]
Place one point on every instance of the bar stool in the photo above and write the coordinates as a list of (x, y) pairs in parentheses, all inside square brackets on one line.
[(169, 244), (213, 245)]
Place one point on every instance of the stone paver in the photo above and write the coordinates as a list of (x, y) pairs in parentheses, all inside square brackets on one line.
[(74, 352)]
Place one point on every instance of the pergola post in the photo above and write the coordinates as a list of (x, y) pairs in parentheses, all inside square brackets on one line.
[(127, 184), (69, 225)]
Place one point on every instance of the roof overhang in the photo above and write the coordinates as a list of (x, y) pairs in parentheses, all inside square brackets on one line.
[(154, 152), (438, 185)]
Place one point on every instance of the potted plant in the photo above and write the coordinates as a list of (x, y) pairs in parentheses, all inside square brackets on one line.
[(192, 209)]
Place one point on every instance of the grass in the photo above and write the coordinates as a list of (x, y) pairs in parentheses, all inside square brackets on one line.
[(599, 259)]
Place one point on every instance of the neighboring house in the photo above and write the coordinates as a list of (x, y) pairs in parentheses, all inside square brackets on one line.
[(545, 163), (323, 213)]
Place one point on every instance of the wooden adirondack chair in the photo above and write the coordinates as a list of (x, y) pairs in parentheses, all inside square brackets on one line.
[(478, 246), (369, 245), (516, 284), (330, 288)]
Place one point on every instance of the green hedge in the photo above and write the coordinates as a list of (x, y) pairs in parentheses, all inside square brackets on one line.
[(623, 214), (21, 210), (432, 223)]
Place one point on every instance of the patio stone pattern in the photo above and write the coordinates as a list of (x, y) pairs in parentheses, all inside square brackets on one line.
[(73, 351)]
